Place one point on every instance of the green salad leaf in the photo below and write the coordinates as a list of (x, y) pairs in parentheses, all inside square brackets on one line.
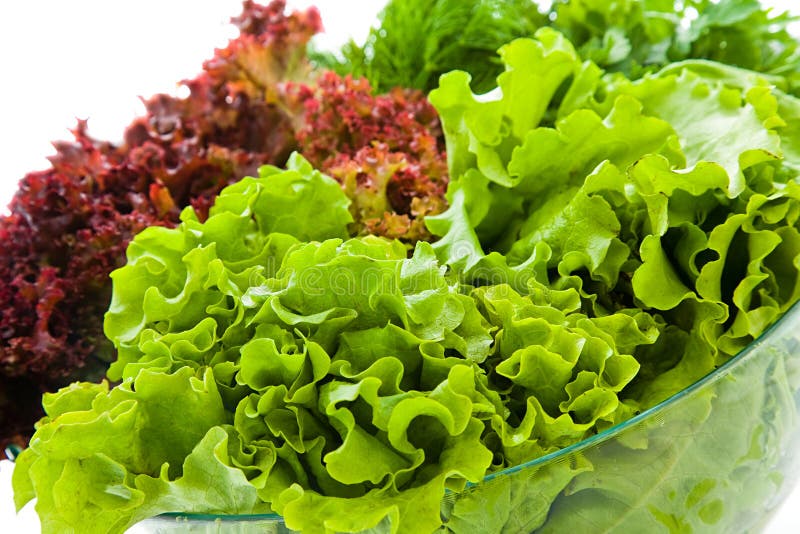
[(317, 355), (647, 208), (271, 342), (105, 459), (710, 468)]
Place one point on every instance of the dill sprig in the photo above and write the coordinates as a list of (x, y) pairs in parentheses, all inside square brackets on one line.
[(419, 40)]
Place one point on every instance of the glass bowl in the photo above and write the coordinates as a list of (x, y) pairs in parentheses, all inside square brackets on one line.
[(720, 456)]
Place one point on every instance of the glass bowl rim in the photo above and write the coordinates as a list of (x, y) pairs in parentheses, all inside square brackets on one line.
[(555, 456)]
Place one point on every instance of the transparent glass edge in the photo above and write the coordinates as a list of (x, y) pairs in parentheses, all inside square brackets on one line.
[(220, 517), (12, 451)]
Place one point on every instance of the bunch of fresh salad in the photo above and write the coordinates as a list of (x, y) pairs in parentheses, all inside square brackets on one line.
[(346, 335)]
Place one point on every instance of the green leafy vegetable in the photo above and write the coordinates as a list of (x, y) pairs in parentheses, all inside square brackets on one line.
[(636, 36), (610, 241), (612, 215), (418, 40), (317, 355), (283, 334)]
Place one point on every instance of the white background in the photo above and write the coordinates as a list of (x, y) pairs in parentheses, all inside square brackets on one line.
[(93, 59)]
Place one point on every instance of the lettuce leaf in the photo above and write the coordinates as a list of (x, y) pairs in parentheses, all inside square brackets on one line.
[(710, 468), (104, 459), (736, 128), (629, 198)]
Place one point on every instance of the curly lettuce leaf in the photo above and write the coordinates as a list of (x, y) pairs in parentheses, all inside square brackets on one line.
[(559, 372), (635, 216), (710, 467), (714, 123), (102, 463), (788, 105), (319, 353), (461, 457), (482, 131), (636, 37), (501, 148), (299, 201), (186, 277)]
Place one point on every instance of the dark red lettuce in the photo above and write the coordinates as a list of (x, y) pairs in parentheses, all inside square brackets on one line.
[(386, 150)]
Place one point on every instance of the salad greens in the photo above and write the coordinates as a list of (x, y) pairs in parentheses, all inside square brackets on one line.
[(717, 460), (418, 40), (307, 357), (302, 358), (607, 201), (611, 238)]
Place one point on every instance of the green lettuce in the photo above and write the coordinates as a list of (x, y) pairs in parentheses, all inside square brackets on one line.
[(658, 194), (315, 355), (105, 459), (306, 357), (715, 461), (702, 220)]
